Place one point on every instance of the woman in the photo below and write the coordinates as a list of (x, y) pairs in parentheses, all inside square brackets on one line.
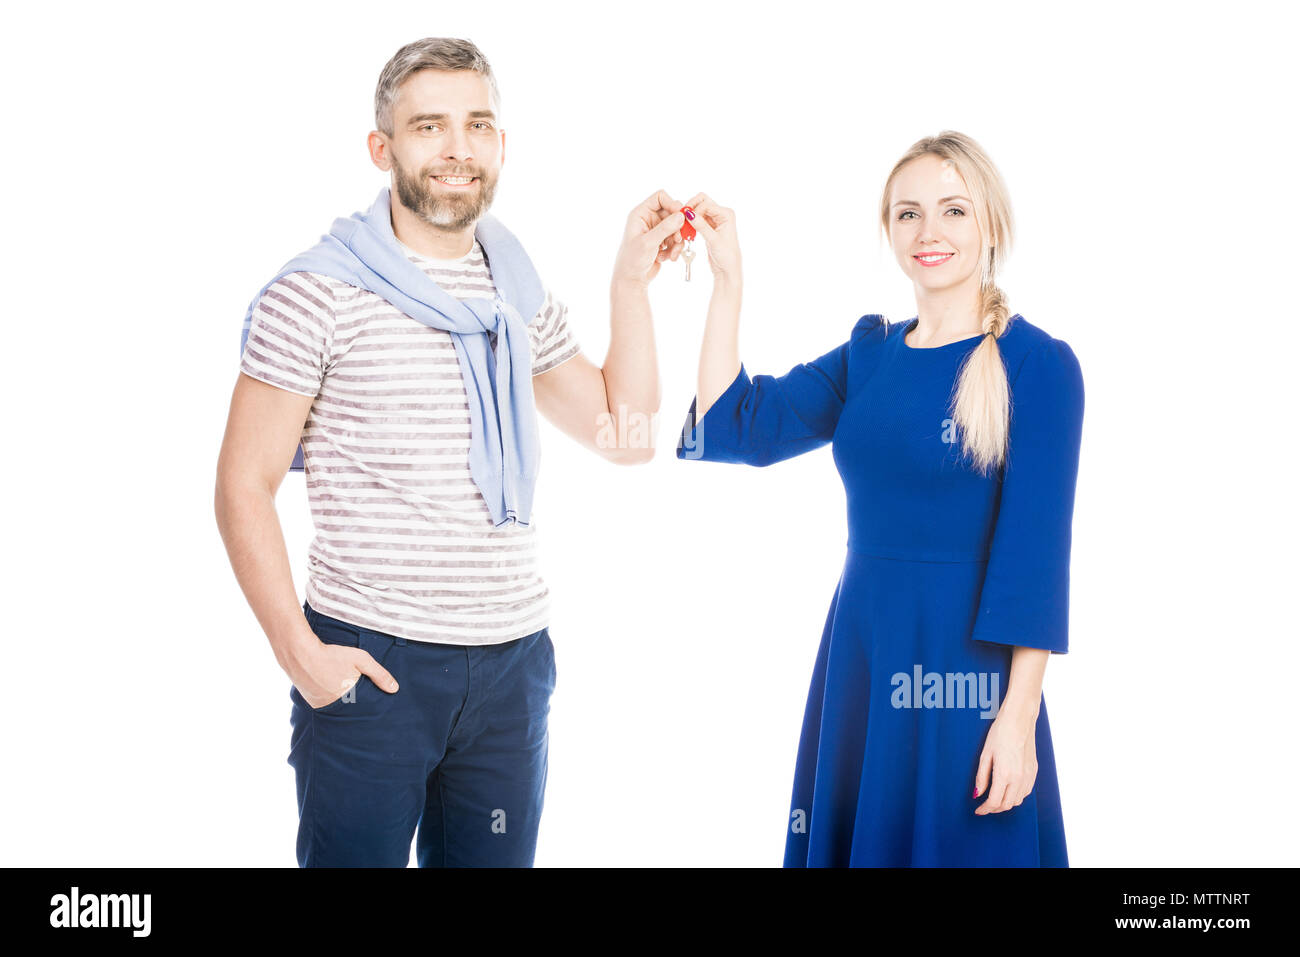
[(925, 740)]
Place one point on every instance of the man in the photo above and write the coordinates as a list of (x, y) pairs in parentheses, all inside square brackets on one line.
[(421, 663)]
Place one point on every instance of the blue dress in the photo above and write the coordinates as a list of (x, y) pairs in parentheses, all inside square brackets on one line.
[(945, 572)]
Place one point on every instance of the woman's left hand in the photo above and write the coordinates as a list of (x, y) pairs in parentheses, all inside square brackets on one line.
[(1011, 757)]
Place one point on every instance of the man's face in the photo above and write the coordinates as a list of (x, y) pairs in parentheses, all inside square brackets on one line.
[(444, 126)]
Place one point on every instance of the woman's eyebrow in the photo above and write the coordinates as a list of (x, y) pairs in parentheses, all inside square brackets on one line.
[(946, 199)]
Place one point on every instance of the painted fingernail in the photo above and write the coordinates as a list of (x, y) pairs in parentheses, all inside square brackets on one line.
[(688, 212)]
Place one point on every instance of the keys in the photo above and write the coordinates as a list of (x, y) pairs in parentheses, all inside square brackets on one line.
[(688, 236)]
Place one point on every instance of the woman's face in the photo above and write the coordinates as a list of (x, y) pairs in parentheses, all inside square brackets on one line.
[(932, 227)]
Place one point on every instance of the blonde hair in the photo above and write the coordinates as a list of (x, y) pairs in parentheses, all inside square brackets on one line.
[(981, 408)]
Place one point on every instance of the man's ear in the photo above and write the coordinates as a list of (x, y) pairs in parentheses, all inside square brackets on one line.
[(377, 144), (503, 147)]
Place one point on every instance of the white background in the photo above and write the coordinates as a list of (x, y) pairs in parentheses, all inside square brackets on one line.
[(163, 164)]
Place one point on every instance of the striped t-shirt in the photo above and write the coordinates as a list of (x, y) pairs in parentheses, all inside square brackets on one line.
[(404, 541)]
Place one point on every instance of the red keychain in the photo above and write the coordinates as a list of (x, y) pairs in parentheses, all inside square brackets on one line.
[(688, 237)]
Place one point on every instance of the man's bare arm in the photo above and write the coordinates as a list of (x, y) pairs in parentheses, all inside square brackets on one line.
[(612, 410), (262, 434), (575, 399)]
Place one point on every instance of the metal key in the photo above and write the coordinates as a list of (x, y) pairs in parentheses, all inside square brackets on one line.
[(688, 237)]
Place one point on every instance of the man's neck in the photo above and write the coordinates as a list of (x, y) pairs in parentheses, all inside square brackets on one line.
[(429, 240)]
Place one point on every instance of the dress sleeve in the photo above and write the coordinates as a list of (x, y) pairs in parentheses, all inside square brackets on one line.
[(1025, 596), (768, 418)]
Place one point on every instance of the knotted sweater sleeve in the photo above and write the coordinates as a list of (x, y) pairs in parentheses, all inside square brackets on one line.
[(1025, 596), (768, 418)]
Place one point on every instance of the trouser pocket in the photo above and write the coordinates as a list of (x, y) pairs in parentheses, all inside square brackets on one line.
[(334, 631)]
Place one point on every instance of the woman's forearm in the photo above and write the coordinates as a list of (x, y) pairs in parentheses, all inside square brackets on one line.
[(720, 349), (1025, 684)]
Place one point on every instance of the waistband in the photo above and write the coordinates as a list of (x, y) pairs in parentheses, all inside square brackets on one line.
[(312, 614), (911, 553)]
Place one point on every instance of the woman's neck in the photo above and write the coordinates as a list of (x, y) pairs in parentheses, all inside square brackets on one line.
[(946, 316)]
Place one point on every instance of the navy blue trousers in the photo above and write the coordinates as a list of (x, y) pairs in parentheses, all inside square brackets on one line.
[(455, 758)]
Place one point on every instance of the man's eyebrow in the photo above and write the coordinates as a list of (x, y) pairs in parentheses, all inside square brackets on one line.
[(946, 199), (427, 117)]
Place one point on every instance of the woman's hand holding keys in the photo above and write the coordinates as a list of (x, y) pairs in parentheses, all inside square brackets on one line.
[(717, 226)]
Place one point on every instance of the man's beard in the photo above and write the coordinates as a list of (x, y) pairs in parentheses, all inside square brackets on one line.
[(450, 211)]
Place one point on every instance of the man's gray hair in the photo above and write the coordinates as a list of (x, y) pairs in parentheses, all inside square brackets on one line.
[(431, 53)]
